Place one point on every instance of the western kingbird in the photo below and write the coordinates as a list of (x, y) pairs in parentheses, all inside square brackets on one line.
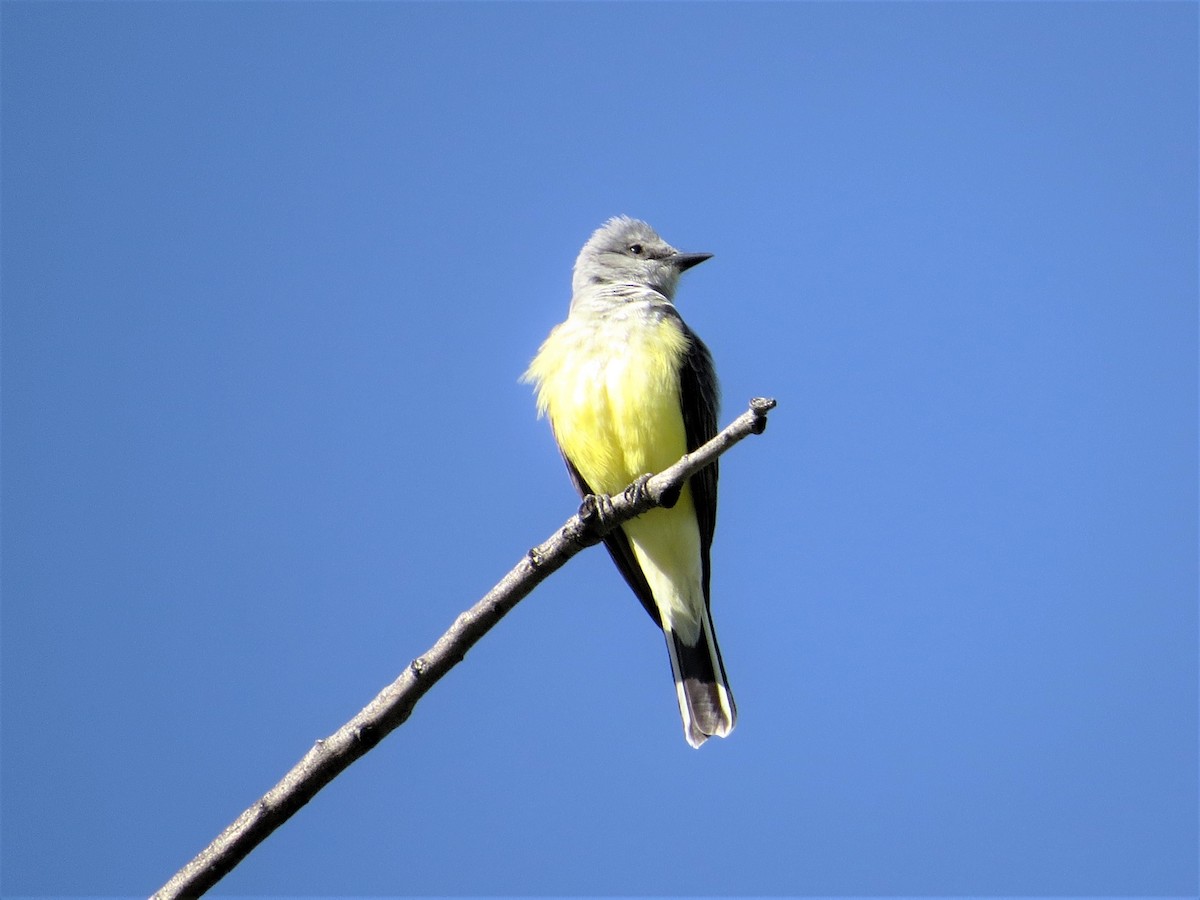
[(629, 389)]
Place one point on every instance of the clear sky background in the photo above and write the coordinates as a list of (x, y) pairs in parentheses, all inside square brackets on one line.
[(270, 275)]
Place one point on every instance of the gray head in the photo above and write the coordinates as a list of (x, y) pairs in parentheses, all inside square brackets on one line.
[(626, 251)]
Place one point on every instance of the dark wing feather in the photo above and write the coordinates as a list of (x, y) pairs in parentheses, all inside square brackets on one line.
[(621, 552), (701, 398)]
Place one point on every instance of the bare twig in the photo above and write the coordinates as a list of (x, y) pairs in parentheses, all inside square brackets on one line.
[(328, 758)]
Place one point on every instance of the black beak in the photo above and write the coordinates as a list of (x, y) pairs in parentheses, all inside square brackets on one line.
[(684, 261)]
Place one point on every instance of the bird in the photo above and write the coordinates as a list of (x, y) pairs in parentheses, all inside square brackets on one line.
[(628, 389)]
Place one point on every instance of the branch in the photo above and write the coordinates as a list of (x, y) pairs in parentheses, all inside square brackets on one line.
[(328, 758)]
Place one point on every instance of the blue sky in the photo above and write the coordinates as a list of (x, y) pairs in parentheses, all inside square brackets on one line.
[(270, 275)]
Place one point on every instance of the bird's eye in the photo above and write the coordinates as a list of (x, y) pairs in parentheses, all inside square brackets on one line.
[(635, 249)]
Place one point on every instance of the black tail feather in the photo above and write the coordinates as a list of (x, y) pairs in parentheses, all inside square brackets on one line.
[(705, 701)]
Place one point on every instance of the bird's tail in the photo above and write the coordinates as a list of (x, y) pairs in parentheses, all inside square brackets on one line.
[(705, 701)]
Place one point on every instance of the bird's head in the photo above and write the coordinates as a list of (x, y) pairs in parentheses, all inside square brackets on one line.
[(628, 251)]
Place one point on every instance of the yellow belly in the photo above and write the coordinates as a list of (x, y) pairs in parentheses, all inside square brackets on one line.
[(611, 391)]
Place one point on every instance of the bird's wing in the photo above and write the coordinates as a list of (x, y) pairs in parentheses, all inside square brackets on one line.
[(700, 397)]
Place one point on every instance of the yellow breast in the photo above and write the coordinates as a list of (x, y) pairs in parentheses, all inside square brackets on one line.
[(610, 386)]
